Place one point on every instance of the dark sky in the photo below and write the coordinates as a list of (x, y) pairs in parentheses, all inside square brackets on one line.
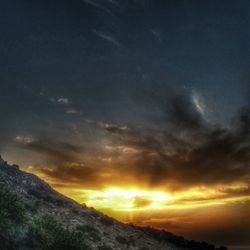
[(167, 79)]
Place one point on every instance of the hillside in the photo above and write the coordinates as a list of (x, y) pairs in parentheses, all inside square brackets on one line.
[(34, 216)]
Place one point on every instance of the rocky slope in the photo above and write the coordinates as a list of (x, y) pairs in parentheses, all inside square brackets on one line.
[(49, 214)]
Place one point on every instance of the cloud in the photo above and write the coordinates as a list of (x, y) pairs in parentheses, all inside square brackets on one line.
[(107, 37), (73, 112), (141, 202), (63, 101), (199, 104), (101, 4), (181, 151), (60, 100), (157, 34), (54, 151), (187, 150), (231, 227), (25, 140), (63, 162), (70, 172)]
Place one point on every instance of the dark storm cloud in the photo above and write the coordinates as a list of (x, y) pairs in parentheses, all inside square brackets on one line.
[(54, 151), (181, 112), (63, 161), (189, 151), (74, 173)]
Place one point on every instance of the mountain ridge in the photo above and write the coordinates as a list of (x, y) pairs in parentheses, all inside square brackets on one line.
[(42, 204)]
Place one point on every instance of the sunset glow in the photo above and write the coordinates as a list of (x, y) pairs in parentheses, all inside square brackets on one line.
[(121, 199), (125, 199), (139, 109)]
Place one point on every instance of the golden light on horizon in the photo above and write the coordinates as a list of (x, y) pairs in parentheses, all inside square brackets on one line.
[(121, 199), (187, 210), (183, 210)]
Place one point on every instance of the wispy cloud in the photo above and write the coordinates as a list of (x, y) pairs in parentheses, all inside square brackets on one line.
[(73, 112), (157, 34), (24, 139), (107, 37), (63, 100), (199, 104), (60, 100), (103, 4)]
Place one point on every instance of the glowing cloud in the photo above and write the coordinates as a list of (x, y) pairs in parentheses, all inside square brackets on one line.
[(122, 199)]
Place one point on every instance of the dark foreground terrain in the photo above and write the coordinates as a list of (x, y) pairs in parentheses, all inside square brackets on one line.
[(34, 216)]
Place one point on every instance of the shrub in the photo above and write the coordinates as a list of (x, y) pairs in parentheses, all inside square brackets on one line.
[(131, 241), (107, 221), (48, 234), (122, 240), (35, 193), (105, 248), (43, 195), (75, 211), (94, 237), (94, 214), (90, 231), (31, 207), (12, 213), (60, 203), (125, 241), (7, 244), (86, 229)]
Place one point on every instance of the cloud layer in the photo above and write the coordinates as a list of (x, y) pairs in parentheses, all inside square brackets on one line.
[(186, 150), (180, 151)]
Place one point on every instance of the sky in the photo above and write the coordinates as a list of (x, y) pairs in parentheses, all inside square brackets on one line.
[(139, 108)]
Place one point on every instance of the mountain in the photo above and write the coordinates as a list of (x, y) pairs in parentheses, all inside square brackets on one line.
[(34, 216)]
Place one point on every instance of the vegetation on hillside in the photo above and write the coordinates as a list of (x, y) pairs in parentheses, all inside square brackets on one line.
[(43, 233), (12, 217), (34, 217), (48, 234)]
